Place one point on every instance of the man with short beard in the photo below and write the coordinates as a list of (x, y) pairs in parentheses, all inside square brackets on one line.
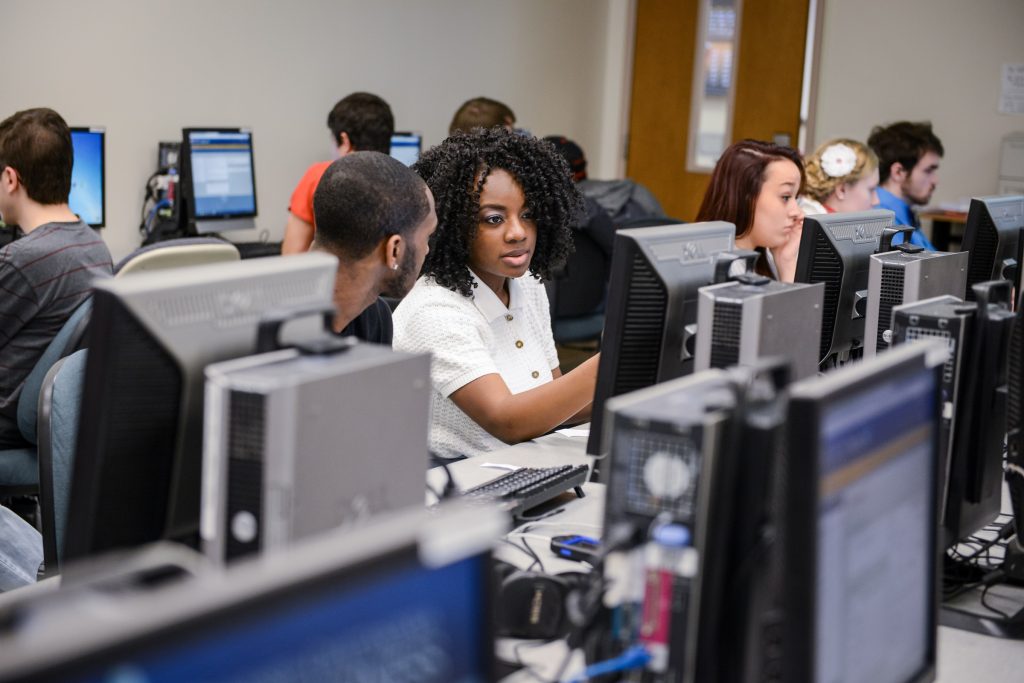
[(908, 164), (376, 215)]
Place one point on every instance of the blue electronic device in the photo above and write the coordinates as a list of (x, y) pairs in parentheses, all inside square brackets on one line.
[(575, 547), (406, 147), (88, 197)]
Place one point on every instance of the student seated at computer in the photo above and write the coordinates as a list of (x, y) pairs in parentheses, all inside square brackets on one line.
[(755, 186), (358, 122), (48, 273), (376, 215), (482, 112), (908, 163), (504, 205), (841, 176)]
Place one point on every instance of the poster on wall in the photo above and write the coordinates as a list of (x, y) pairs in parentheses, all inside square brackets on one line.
[(1011, 98)]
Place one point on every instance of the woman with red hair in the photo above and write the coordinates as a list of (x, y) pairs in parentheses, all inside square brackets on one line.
[(754, 186)]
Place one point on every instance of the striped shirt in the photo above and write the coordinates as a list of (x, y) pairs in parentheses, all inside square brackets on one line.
[(44, 276)]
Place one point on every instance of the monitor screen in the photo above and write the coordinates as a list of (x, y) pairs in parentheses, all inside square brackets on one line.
[(410, 625), (391, 602), (406, 147), (862, 528), (220, 184), (87, 198), (874, 516)]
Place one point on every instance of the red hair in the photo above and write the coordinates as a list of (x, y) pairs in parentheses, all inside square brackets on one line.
[(737, 179)]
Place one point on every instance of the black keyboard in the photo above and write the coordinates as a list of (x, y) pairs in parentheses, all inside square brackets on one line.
[(528, 487)]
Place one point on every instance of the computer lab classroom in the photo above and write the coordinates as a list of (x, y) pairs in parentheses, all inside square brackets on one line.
[(799, 461)]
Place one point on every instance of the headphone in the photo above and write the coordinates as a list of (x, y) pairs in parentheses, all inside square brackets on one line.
[(530, 604)]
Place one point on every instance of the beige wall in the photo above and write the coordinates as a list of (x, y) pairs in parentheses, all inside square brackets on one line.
[(145, 69), (887, 60)]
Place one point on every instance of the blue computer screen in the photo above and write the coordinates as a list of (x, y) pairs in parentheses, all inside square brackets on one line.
[(86, 197), (222, 173), (406, 147), (416, 625), (876, 528)]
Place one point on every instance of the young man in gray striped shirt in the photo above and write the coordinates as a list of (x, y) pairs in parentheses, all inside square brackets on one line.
[(48, 273)]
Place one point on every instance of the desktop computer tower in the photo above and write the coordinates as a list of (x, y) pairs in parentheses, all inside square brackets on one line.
[(949, 319), (296, 444), (754, 317), (671, 459), (905, 275), (974, 393)]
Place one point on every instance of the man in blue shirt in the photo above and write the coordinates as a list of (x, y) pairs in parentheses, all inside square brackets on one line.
[(908, 164)]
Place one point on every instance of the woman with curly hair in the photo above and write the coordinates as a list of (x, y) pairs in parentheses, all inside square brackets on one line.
[(842, 175), (754, 186), (505, 203)]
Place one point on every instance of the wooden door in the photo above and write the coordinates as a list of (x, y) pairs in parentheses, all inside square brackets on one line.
[(766, 101)]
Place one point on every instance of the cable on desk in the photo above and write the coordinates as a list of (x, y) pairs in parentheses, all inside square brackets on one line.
[(633, 658), (529, 551), (989, 607)]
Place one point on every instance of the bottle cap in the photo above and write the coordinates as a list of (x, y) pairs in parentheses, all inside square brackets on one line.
[(672, 535)]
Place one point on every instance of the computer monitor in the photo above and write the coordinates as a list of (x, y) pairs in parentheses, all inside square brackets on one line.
[(88, 175), (136, 475), (860, 523), (836, 249), (218, 179), (651, 316), (404, 599), (1015, 418), (406, 147), (977, 336), (991, 236)]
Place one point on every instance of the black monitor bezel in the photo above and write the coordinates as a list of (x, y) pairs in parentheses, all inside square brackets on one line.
[(807, 406), (188, 190), (102, 131)]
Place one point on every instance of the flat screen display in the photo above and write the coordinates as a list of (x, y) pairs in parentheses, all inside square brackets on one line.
[(221, 164), (87, 175), (875, 543)]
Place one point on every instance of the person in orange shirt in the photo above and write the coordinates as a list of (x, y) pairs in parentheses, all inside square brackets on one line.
[(359, 122)]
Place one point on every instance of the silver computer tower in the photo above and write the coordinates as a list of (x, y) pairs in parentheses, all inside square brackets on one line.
[(296, 444), (904, 276), (754, 317)]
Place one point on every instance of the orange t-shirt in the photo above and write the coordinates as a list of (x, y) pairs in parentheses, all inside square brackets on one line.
[(301, 203)]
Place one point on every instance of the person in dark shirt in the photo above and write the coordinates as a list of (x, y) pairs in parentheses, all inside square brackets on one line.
[(48, 273), (376, 215)]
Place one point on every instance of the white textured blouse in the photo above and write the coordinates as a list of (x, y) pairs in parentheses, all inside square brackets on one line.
[(470, 338)]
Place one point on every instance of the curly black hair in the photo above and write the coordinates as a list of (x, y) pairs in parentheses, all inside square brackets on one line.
[(451, 170)]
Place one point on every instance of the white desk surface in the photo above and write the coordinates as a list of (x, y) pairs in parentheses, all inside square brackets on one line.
[(962, 656)]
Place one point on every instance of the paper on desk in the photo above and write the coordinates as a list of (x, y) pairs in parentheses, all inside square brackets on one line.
[(575, 432)]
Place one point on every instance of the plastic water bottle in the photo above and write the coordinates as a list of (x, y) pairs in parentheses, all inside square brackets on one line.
[(670, 565)]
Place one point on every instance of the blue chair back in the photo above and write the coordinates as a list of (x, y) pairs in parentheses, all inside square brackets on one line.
[(66, 341), (60, 402)]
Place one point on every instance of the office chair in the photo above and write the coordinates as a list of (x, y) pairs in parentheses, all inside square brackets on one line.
[(576, 294), (189, 251), (19, 467), (60, 402)]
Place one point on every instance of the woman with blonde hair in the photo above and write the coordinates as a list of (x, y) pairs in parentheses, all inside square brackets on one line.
[(841, 176)]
